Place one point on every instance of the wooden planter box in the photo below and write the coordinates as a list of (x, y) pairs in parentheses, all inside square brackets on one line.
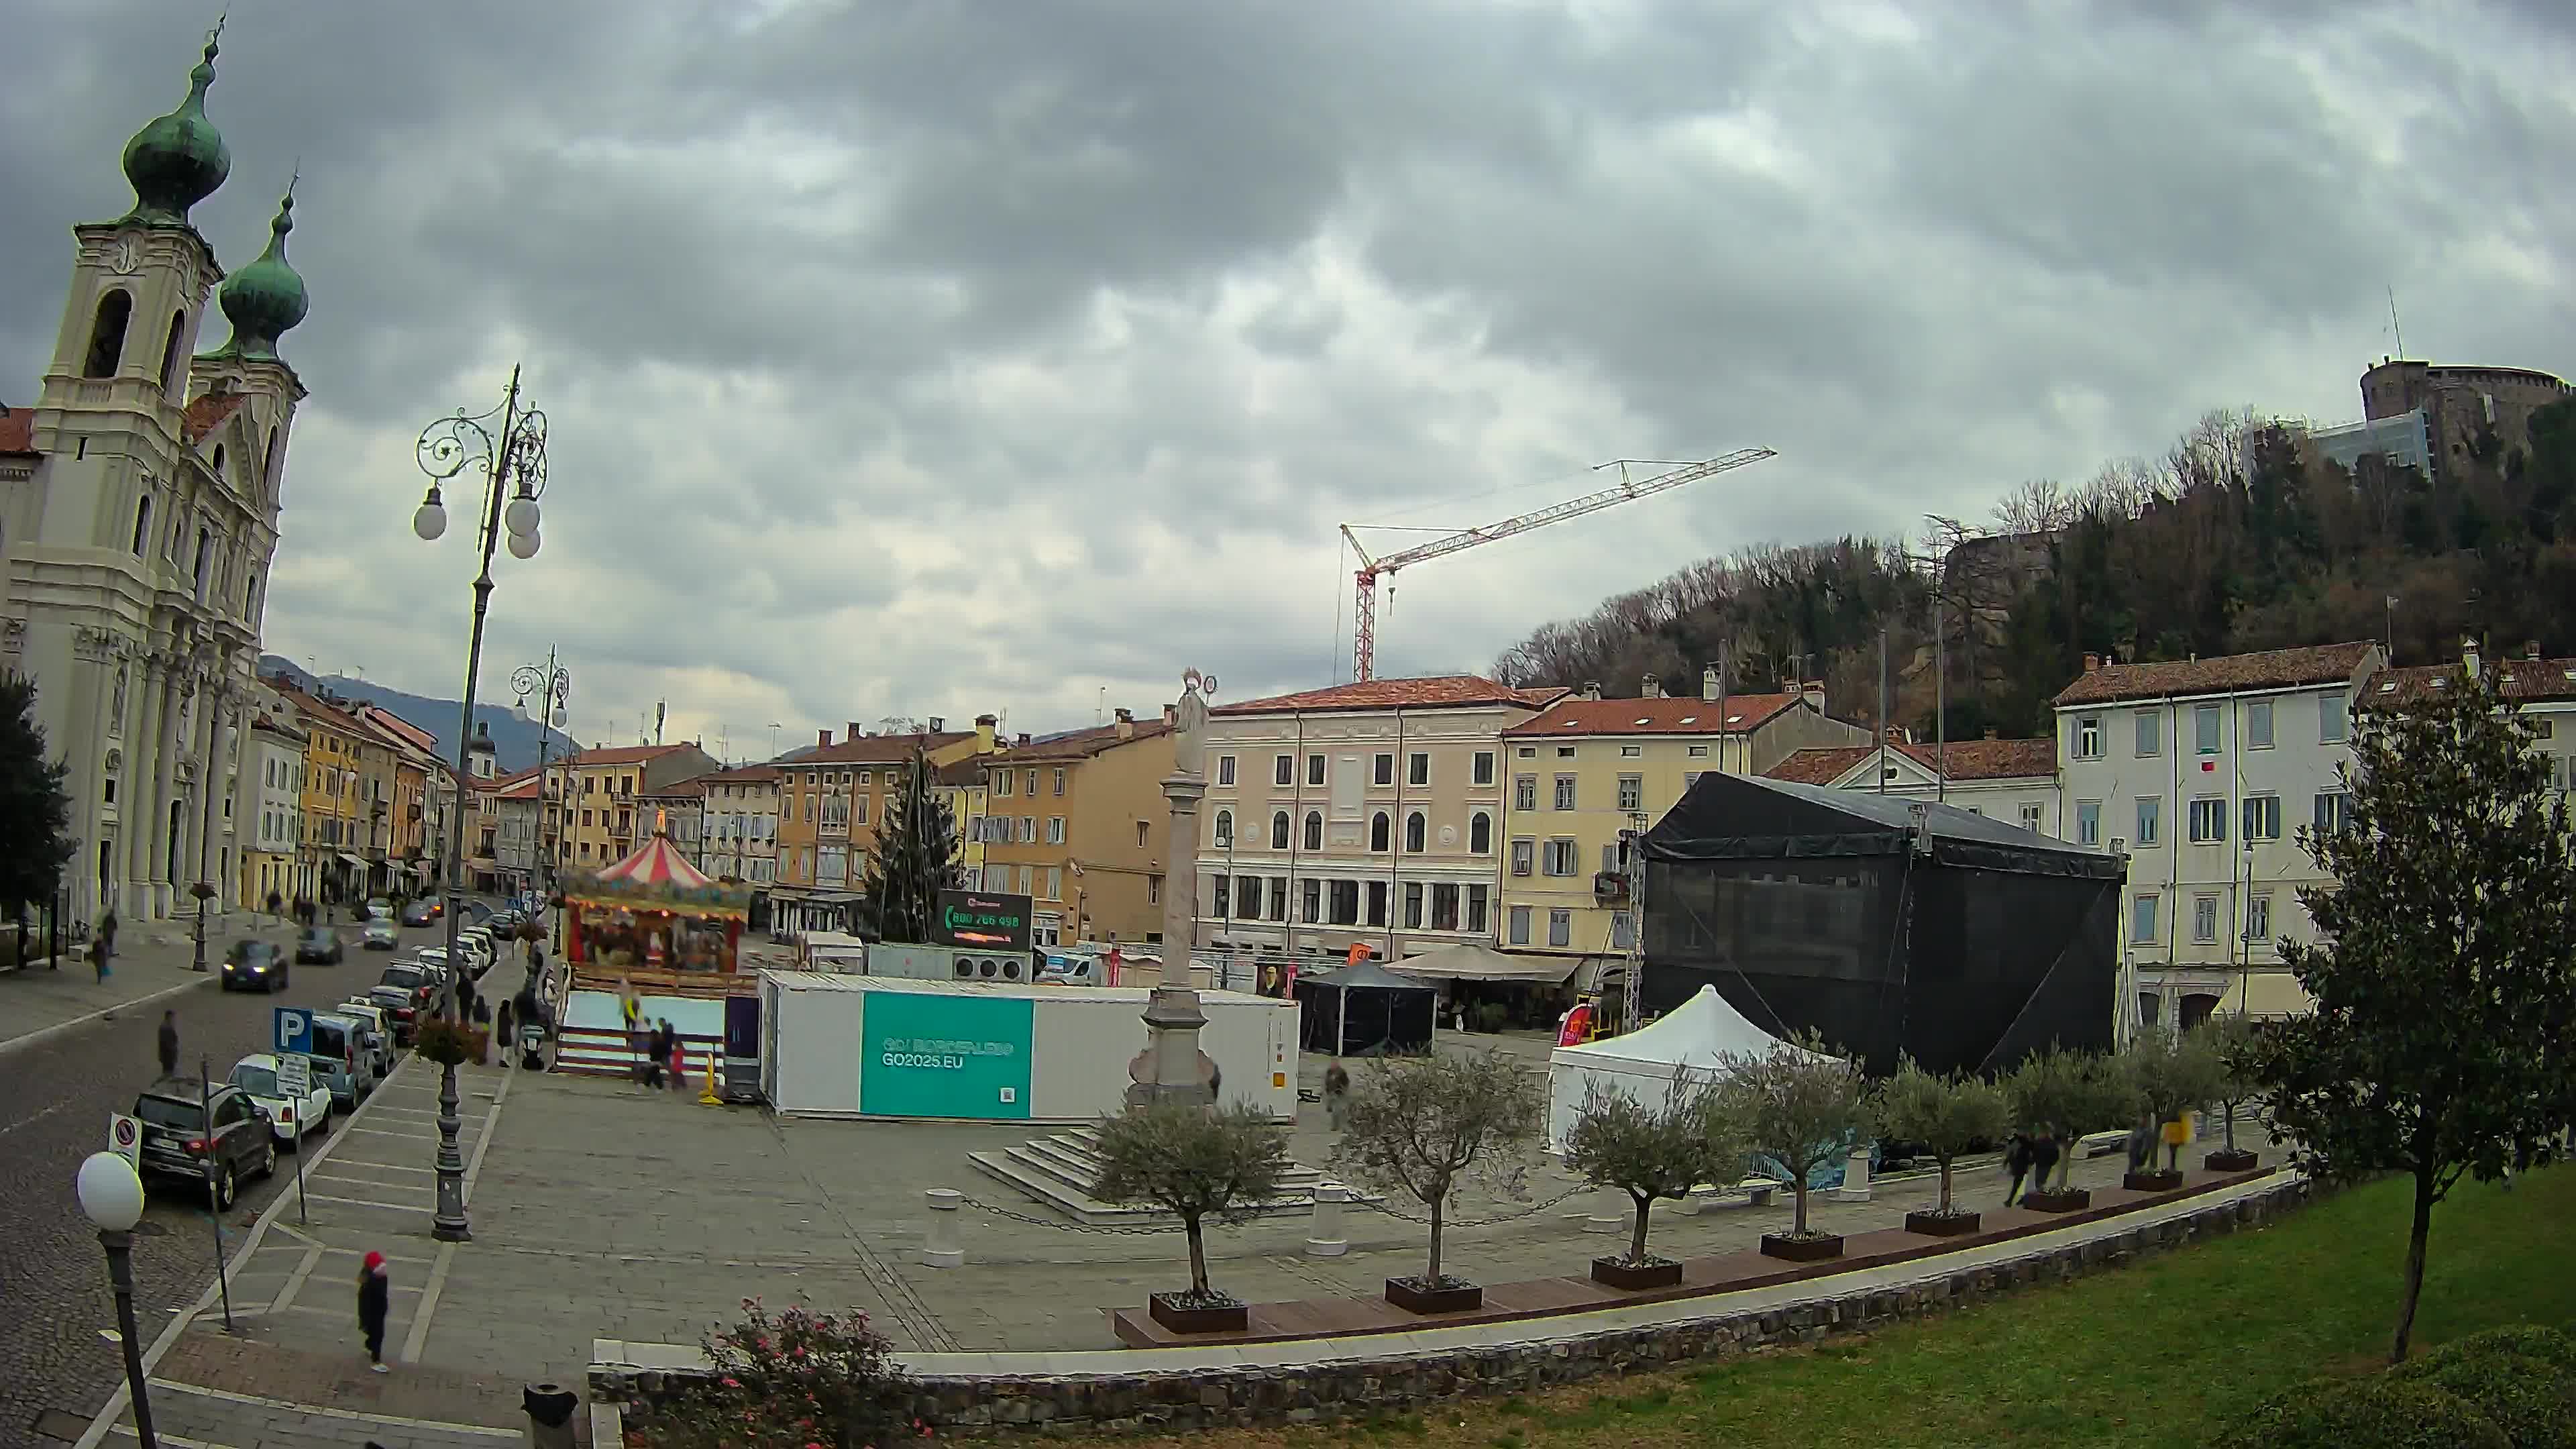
[(2239, 1160), (2163, 1179), (1801, 1250), (2072, 1200), (1653, 1273), (1198, 1317), (1450, 1297), (1937, 1225)]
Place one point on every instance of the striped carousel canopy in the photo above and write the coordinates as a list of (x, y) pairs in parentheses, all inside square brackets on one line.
[(657, 864)]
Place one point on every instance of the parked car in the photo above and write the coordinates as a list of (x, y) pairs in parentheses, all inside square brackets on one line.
[(379, 1030), (341, 1059), (401, 1009), (320, 945), (479, 951), (406, 991), (419, 913), (206, 1135), (433, 960), (378, 908), (292, 1117), (254, 965), (379, 936)]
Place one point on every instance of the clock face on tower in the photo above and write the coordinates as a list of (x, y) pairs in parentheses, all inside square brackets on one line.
[(125, 256)]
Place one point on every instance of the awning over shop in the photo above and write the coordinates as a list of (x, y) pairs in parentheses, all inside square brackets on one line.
[(1471, 962), (357, 860)]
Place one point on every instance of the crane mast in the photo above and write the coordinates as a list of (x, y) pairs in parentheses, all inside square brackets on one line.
[(1364, 612)]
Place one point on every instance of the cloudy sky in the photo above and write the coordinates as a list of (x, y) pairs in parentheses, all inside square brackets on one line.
[(915, 359)]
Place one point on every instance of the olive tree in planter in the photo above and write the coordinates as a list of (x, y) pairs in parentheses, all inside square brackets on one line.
[(1801, 1107), (2064, 1094), (1948, 1115), (1650, 1153), (2232, 1041), (2168, 1074), (1195, 1164), (1426, 1126)]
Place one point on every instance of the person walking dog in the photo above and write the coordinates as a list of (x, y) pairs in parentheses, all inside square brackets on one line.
[(375, 1299)]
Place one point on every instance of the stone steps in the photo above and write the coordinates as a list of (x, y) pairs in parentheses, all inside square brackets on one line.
[(1058, 1171)]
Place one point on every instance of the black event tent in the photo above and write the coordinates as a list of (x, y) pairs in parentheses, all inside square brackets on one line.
[(1889, 925), (1364, 1011)]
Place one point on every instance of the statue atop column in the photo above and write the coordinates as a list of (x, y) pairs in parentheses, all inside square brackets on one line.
[(1189, 726)]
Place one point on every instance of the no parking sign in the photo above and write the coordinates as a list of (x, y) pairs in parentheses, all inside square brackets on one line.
[(125, 1138)]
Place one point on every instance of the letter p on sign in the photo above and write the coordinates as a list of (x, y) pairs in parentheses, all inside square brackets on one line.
[(294, 1030)]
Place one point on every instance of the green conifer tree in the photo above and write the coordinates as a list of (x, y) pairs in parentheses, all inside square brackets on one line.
[(35, 812), (915, 858)]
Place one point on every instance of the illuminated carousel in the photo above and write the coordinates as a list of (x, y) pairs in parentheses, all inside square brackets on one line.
[(653, 916)]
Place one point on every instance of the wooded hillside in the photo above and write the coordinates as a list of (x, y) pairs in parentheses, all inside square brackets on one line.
[(2238, 538)]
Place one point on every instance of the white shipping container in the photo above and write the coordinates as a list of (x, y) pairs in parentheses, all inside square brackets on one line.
[(820, 1057)]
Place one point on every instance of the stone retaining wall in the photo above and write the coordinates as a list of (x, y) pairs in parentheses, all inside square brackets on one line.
[(1394, 1382)]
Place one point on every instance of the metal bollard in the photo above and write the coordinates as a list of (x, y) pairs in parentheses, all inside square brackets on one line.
[(549, 1408), (1855, 1186), (1611, 1211), (1327, 1238), (941, 1247)]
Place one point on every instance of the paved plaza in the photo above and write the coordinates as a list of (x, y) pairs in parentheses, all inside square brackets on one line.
[(605, 1210)]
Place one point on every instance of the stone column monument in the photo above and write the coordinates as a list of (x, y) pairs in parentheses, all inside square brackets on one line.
[(1172, 1068)]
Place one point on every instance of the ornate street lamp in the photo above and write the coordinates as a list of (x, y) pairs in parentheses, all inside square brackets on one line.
[(552, 685), (111, 1196), (513, 464)]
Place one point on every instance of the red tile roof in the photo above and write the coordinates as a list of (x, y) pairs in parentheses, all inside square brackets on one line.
[(1667, 716), (207, 413), (745, 775), (1078, 745), (624, 754), (1451, 691), (525, 787), (17, 430), (1968, 760), (694, 786), (2226, 674), (877, 749), (2521, 679)]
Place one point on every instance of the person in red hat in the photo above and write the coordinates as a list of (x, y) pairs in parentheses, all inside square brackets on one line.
[(375, 1296)]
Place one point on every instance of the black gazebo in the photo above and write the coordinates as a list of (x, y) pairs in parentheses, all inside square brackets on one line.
[(1364, 1011), (1889, 925)]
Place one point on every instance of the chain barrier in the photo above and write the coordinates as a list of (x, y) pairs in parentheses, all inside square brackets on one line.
[(1118, 1230), (1424, 1219)]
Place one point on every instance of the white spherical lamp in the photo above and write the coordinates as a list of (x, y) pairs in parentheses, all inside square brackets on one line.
[(521, 515), (111, 1196), (523, 545), (430, 519)]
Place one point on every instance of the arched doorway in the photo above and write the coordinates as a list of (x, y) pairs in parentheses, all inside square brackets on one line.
[(2196, 1007)]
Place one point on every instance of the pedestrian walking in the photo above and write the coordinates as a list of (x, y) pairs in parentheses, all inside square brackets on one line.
[(2177, 1137), (1337, 1096), (102, 947), (169, 1043), (2043, 1158), (375, 1297), (274, 902), (483, 1019), (502, 1033), (678, 1055), (2016, 1162), (2142, 1143)]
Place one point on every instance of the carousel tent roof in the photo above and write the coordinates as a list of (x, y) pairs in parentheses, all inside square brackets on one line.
[(657, 863)]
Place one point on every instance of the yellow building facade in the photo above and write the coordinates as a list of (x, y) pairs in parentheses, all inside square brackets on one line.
[(833, 799), (1079, 824)]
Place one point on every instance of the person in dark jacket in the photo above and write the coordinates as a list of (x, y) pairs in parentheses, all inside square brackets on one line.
[(2016, 1162), (2142, 1143), (502, 1033), (375, 1298), (169, 1043), (2043, 1157)]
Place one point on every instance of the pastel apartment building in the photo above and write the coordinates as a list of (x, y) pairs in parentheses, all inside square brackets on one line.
[(832, 800), (2009, 780), (1078, 822)]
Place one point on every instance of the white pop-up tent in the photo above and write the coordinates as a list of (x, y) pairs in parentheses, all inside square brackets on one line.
[(1692, 1038)]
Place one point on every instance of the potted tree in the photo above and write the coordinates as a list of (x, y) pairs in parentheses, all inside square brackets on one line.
[(1194, 1164), (1425, 1127), (1802, 1108), (1653, 1152), (2232, 1041), (2060, 1092), (1948, 1115), (2167, 1074)]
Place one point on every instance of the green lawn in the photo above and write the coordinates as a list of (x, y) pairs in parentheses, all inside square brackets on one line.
[(2158, 1353)]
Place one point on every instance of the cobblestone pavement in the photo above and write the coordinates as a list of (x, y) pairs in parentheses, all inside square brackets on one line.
[(60, 1091), (243, 1393)]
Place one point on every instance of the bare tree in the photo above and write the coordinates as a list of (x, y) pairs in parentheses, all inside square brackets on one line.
[(1425, 1126)]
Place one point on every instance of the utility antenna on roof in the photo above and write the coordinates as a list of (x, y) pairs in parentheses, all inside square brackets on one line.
[(2399, 332)]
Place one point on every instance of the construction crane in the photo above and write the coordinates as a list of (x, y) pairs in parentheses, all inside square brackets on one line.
[(1364, 615)]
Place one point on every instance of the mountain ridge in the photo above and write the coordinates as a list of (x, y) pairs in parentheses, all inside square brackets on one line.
[(514, 740)]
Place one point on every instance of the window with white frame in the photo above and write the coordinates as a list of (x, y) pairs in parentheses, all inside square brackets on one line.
[(2334, 719), (1380, 828), (1525, 792), (1314, 769), (2088, 822), (1562, 858), (1484, 768), (2208, 820), (1225, 769), (1623, 930), (1523, 853), (1560, 928), (1480, 833), (1519, 925), (2151, 733), (1413, 905), (1417, 768), (2031, 816), (1315, 828), (2206, 729), (2262, 817), (1055, 883), (2258, 918), (2142, 920), (2151, 820), (1055, 830), (2333, 811), (1279, 830), (1382, 769), (1224, 829), (1003, 781), (2087, 741), (2258, 725), (1416, 832), (1283, 770), (1632, 793), (1565, 792), (1697, 752), (2204, 919)]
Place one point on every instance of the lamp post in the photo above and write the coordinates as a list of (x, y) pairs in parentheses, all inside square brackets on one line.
[(513, 464), (111, 1196), (552, 684)]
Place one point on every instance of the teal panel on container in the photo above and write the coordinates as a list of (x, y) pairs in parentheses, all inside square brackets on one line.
[(942, 1055)]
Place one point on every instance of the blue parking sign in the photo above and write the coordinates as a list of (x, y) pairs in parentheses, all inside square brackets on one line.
[(294, 1029)]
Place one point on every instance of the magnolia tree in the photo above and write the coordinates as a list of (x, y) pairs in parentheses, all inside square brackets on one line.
[(1195, 1164), (2067, 1094), (1427, 1126), (2443, 1041), (1656, 1152), (2170, 1073), (1947, 1115), (1801, 1106)]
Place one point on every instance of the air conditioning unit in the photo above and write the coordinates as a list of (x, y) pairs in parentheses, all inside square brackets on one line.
[(951, 963)]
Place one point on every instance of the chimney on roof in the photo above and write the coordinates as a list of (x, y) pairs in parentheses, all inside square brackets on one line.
[(1990, 732), (985, 724), (1650, 687), (1592, 689), (2469, 654), (1813, 692), (1172, 715), (938, 724), (1023, 739), (2092, 663), (822, 739), (855, 731), (2530, 648), (1896, 734), (1126, 724), (1709, 688)]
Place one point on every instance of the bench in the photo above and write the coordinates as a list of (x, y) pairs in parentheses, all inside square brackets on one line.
[(1757, 1193)]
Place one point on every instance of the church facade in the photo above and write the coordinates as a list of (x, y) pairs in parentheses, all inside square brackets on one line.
[(139, 501)]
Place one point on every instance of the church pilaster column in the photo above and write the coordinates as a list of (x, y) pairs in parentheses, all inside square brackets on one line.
[(208, 864), (141, 810), (176, 692)]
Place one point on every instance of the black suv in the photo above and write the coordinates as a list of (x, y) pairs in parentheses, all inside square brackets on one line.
[(204, 1135), (254, 965)]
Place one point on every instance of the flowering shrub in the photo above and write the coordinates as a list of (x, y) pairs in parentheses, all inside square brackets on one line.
[(795, 1378)]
